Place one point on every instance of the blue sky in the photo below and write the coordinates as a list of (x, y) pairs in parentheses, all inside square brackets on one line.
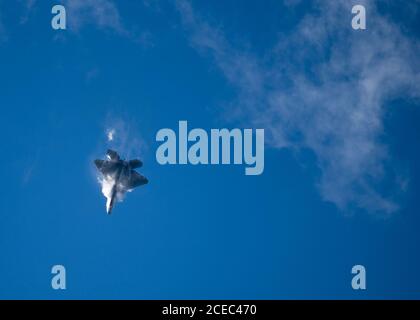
[(340, 109)]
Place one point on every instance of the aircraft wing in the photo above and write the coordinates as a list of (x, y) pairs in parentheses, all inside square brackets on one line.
[(135, 164), (105, 167), (134, 179)]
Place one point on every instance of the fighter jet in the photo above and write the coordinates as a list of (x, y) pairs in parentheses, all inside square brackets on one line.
[(120, 174)]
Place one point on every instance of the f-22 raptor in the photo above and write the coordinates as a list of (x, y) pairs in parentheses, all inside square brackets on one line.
[(120, 176)]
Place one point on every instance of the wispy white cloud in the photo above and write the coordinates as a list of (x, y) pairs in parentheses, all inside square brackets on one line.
[(28, 6), (152, 4), (123, 135), (92, 74), (324, 87), (102, 14), (30, 167)]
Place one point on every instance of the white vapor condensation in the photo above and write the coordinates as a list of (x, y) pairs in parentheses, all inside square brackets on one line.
[(121, 137), (110, 134), (324, 87), (107, 183)]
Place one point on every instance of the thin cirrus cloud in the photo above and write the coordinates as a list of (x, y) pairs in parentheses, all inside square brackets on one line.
[(28, 6), (105, 16), (324, 87), (101, 13), (124, 136)]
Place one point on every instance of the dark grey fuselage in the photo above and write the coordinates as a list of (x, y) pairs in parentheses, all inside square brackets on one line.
[(121, 174)]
